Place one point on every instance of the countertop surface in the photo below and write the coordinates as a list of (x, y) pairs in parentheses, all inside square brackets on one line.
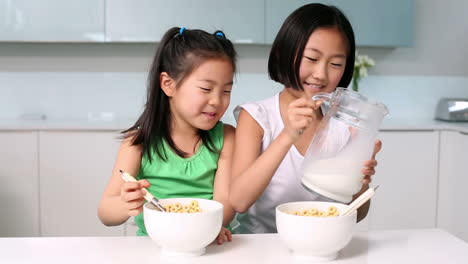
[(422, 124), (390, 124), (66, 124), (391, 246)]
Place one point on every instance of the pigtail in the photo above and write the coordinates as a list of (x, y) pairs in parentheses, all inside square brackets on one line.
[(227, 46), (150, 128)]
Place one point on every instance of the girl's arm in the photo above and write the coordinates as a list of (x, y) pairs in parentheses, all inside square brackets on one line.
[(223, 174), (120, 199), (252, 172)]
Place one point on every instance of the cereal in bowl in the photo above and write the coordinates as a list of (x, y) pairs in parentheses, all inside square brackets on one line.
[(332, 211), (193, 207)]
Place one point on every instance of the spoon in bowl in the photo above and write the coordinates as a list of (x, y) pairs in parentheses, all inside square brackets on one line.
[(359, 201), (148, 196)]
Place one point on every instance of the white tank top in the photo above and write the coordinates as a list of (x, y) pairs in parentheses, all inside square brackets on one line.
[(285, 185)]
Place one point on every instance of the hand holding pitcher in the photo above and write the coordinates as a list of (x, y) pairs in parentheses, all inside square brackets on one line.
[(301, 113)]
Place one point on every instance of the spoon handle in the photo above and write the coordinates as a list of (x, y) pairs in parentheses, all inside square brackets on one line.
[(148, 196), (359, 201)]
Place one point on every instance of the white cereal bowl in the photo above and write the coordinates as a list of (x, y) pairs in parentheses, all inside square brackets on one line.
[(311, 238), (184, 234)]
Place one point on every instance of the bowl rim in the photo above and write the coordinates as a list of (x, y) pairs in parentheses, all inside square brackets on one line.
[(278, 209)]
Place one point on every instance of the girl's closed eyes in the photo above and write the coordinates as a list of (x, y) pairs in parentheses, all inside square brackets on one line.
[(311, 59), (338, 62), (209, 90), (205, 89)]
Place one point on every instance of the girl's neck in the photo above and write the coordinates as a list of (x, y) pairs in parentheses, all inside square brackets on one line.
[(181, 127), (288, 95), (185, 137)]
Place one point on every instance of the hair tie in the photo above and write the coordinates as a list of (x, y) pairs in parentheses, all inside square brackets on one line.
[(220, 34), (181, 31)]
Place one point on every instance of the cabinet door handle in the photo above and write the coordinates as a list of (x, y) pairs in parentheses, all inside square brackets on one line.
[(463, 133)]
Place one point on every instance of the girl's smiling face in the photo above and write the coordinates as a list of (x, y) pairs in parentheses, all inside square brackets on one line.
[(204, 95), (323, 61)]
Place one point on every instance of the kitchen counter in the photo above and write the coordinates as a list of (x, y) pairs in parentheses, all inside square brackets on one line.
[(66, 124), (422, 124), (391, 246), (121, 124)]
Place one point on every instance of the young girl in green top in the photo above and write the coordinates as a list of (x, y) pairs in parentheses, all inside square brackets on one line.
[(178, 147)]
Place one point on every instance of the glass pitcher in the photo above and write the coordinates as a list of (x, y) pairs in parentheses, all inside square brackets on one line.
[(344, 139)]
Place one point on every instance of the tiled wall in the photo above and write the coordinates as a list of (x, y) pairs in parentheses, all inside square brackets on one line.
[(76, 94), (413, 96)]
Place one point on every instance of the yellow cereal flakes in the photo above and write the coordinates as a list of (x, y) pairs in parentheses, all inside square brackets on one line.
[(332, 211), (192, 207)]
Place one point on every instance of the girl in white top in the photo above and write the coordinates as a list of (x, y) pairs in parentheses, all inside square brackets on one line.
[(313, 52)]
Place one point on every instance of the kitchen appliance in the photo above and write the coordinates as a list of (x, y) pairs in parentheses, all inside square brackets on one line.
[(452, 109)]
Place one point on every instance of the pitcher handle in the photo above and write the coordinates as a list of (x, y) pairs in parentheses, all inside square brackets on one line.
[(326, 97)]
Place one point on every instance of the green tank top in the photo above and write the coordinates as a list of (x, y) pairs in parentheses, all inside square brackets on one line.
[(181, 177)]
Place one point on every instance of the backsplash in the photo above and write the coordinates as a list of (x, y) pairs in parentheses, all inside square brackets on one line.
[(71, 95), (121, 95), (83, 95), (413, 96)]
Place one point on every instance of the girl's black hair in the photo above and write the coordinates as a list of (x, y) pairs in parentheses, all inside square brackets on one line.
[(178, 54), (288, 47)]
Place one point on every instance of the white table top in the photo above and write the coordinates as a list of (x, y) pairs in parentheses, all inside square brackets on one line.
[(393, 246)]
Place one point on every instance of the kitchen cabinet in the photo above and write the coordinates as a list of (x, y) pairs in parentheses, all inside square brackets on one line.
[(52, 181), (407, 179), (453, 181), (75, 167), (52, 21), (147, 20), (375, 22), (19, 188)]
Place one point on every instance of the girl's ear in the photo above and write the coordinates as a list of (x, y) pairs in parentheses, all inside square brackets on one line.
[(167, 84)]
